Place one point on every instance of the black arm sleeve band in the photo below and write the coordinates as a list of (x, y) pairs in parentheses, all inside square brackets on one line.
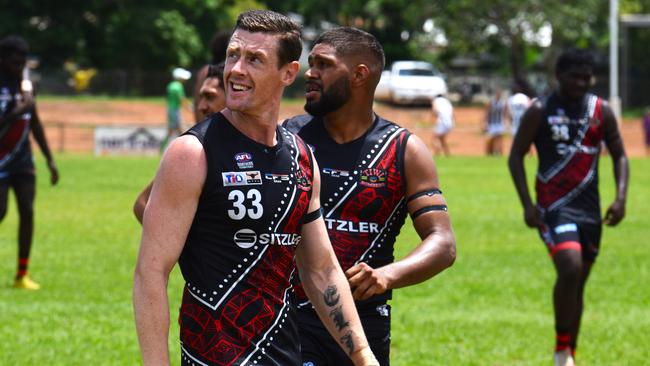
[(312, 216), (426, 209), (429, 193)]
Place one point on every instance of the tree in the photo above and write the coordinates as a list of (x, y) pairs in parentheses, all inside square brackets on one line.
[(142, 34), (393, 22)]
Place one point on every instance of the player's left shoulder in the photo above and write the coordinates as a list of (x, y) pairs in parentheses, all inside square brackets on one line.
[(388, 127), (601, 110)]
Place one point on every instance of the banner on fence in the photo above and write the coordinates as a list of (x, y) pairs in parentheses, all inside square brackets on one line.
[(128, 140)]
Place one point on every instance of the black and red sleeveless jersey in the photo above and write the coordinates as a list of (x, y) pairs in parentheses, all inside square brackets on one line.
[(362, 192), (15, 148), (568, 144), (238, 260)]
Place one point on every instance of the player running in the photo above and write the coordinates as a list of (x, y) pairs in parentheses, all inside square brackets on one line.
[(568, 129), (18, 118)]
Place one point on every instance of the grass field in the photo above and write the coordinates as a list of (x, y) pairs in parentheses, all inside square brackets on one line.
[(493, 307)]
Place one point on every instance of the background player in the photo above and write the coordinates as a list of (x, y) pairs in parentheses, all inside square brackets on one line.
[(443, 112), (516, 105), (373, 173), (494, 124), (211, 99), (17, 118), (218, 46), (235, 202), (175, 101), (568, 128)]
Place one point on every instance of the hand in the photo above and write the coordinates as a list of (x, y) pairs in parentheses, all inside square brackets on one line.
[(364, 357), (615, 213), (532, 217), (365, 281), (54, 172)]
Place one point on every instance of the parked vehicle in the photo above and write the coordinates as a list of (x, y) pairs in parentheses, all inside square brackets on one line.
[(410, 82)]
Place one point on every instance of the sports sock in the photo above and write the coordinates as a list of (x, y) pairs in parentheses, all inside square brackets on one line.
[(23, 263), (562, 341)]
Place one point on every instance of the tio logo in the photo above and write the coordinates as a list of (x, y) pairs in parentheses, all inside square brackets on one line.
[(245, 238)]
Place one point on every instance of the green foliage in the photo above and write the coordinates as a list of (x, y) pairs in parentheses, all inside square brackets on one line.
[(157, 35), (493, 307), (386, 19), (179, 36), (148, 34)]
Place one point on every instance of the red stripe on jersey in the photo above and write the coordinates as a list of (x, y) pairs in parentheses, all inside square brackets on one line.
[(12, 138), (578, 169)]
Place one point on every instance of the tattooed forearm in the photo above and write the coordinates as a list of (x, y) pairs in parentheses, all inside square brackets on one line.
[(338, 318), (348, 342), (331, 296)]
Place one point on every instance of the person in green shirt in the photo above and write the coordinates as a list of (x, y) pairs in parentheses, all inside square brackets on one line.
[(175, 100)]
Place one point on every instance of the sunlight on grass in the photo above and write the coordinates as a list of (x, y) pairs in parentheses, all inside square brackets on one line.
[(493, 307)]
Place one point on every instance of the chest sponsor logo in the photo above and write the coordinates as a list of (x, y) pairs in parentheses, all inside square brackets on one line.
[(372, 177), (351, 226), (246, 238), (244, 160), (276, 178), (250, 178), (335, 173), (302, 181), (558, 120)]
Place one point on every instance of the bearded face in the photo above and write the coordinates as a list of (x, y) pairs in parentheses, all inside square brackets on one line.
[(324, 100)]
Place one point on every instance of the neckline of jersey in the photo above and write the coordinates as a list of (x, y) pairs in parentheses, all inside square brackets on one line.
[(374, 124), (260, 146)]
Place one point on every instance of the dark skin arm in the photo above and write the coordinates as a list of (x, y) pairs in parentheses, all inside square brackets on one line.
[(436, 251), (616, 210), (530, 122), (39, 136), (141, 202)]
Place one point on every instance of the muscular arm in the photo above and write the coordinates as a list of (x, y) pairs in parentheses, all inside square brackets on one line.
[(326, 287), (433, 254), (141, 202), (616, 210), (41, 140), (529, 126), (170, 212)]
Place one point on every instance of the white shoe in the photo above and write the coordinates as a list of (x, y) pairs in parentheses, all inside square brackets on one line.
[(563, 358)]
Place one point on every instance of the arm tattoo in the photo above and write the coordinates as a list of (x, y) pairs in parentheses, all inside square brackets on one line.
[(338, 318), (331, 296), (347, 342)]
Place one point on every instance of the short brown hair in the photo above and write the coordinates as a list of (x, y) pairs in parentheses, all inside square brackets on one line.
[(287, 32)]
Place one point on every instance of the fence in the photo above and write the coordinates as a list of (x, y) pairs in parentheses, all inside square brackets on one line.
[(122, 139)]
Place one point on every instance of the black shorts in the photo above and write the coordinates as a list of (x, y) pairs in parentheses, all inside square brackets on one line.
[(15, 179), (319, 348), (563, 232)]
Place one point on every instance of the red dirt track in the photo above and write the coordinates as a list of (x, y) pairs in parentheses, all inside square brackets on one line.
[(69, 125)]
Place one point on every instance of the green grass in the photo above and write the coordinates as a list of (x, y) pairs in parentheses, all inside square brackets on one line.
[(493, 307)]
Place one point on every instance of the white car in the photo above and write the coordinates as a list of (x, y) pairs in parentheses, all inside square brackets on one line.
[(410, 82)]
